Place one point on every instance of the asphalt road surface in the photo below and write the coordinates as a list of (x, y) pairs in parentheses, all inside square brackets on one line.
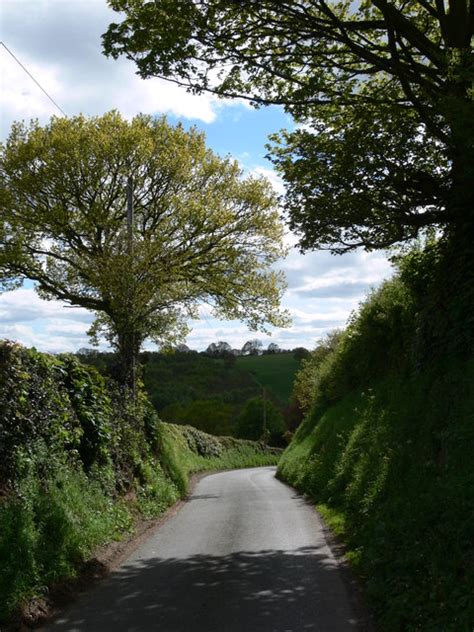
[(245, 554)]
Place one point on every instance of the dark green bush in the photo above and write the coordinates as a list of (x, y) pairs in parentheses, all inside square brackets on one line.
[(201, 443), (260, 420), (441, 279), (34, 407), (92, 406)]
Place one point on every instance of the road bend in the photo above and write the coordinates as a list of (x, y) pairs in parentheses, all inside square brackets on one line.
[(244, 554)]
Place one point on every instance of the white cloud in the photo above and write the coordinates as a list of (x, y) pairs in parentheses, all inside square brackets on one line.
[(321, 269), (271, 175), (47, 325), (24, 305), (44, 341), (59, 43)]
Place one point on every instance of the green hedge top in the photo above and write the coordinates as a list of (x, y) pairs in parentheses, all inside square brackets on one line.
[(50, 400)]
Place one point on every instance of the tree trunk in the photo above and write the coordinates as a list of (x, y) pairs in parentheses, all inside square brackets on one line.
[(128, 347)]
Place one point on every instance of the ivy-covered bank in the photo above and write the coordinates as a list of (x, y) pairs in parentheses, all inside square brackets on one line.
[(386, 451), (80, 462)]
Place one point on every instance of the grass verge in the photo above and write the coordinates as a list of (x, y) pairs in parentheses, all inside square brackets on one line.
[(185, 450)]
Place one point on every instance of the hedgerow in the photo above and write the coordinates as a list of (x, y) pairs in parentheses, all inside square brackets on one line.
[(385, 449), (80, 460)]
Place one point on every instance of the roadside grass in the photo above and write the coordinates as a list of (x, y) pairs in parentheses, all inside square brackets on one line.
[(274, 371), (185, 450), (391, 470), (47, 528)]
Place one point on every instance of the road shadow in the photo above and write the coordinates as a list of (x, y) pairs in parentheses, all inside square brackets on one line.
[(265, 591)]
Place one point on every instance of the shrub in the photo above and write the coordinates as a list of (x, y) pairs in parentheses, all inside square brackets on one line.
[(306, 378), (34, 407)]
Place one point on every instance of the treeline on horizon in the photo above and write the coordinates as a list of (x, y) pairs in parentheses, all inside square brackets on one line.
[(219, 349)]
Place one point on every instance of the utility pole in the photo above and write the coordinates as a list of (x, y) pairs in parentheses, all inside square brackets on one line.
[(130, 222), (264, 398), (264, 390), (130, 214)]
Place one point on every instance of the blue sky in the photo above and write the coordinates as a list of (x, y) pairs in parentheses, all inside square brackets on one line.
[(59, 42)]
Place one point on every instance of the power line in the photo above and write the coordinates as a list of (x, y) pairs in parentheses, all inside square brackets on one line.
[(31, 76)]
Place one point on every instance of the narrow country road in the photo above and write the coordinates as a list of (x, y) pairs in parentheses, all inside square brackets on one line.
[(245, 554)]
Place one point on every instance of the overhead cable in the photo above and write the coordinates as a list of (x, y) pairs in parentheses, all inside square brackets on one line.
[(31, 76)]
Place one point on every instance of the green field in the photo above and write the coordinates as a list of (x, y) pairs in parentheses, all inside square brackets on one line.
[(275, 372)]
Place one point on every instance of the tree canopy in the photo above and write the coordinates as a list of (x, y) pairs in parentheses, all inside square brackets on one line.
[(219, 349), (260, 419), (382, 92), (201, 231)]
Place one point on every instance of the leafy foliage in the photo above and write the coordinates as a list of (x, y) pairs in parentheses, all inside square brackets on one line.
[(201, 232), (441, 279), (382, 90), (260, 419), (36, 409), (362, 177), (209, 415), (304, 388)]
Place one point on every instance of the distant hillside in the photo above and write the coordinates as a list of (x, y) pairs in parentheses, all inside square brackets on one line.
[(209, 393), (274, 371), (186, 377)]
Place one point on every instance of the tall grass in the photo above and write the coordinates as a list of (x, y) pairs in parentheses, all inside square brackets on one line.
[(186, 450), (48, 527)]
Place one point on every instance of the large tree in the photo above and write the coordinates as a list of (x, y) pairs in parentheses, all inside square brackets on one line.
[(201, 232), (383, 90)]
